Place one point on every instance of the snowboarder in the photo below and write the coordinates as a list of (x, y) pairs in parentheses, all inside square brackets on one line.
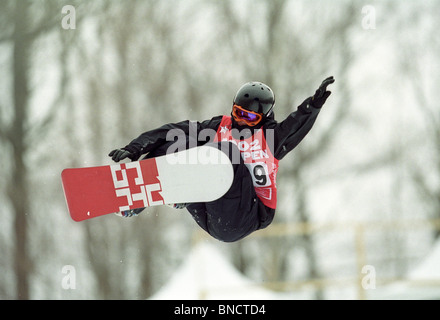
[(252, 133)]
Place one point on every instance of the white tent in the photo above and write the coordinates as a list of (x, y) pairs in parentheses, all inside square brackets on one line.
[(206, 274)]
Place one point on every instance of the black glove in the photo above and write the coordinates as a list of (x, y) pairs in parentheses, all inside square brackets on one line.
[(126, 152), (321, 93)]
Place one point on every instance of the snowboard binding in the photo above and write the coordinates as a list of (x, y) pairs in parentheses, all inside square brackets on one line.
[(136, 212)]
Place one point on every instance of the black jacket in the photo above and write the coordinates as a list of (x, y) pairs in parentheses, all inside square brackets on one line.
[(286, 136)]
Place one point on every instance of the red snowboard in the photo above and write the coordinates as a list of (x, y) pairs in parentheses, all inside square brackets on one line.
[(200, 174)]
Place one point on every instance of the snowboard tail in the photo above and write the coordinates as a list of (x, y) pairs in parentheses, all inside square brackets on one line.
[(201, 174)]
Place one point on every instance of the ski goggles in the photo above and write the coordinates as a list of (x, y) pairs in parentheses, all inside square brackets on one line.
[(249, 117)]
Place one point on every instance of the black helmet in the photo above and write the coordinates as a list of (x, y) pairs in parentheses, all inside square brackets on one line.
[(256, 97)]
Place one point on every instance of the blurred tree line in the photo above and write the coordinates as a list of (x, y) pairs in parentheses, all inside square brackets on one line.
[(69, 96)]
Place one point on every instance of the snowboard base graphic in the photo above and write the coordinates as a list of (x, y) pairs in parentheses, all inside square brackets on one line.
[(201, 174)]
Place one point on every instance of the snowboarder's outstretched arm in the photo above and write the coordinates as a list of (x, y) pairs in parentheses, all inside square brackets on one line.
[(152, 139), (290, 132)]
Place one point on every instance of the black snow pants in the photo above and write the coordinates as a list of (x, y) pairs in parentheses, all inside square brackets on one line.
[(237, 213)]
